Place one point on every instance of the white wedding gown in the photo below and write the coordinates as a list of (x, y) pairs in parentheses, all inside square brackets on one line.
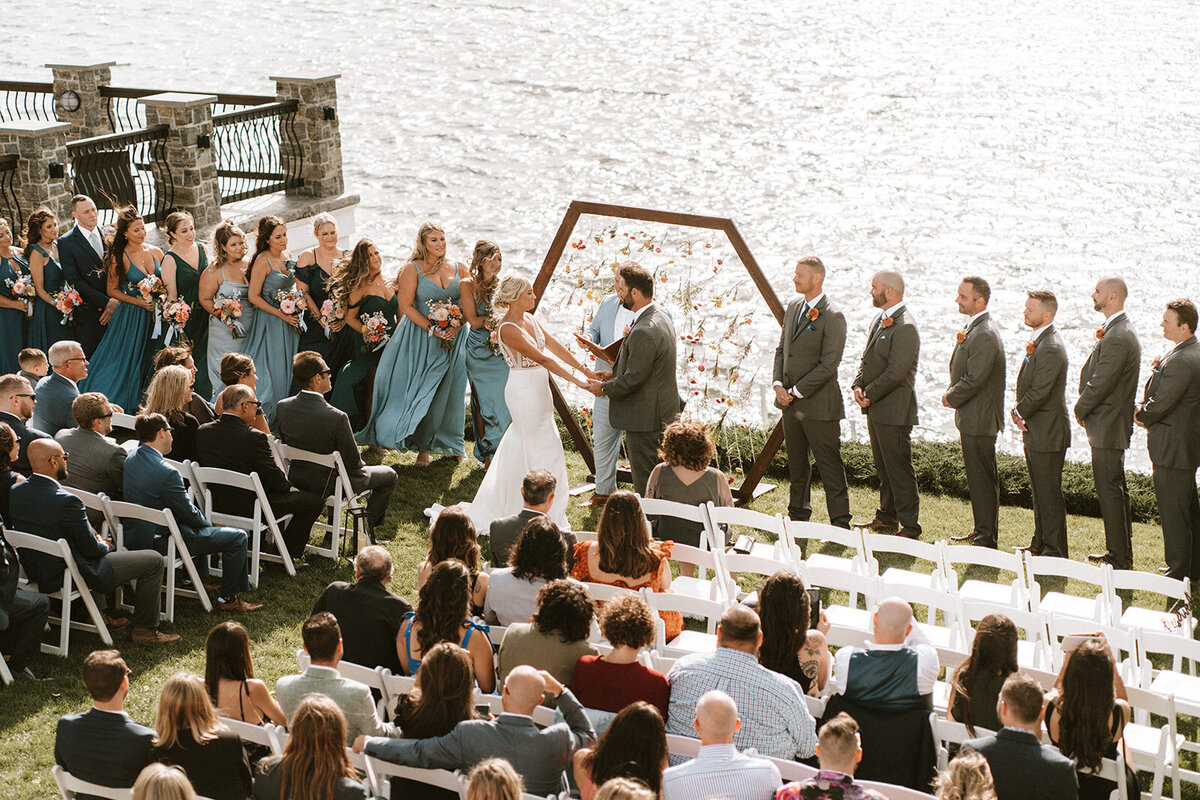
[(531, 441)]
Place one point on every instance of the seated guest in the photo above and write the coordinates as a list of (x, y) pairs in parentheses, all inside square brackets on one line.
[(368, 614), (314, 763), (539, 556), (170, 395), (614, 680), (719, 770), (308, 421), (161, 782), (153, 483), (775, 718), (10, 446), (897, 671), (789, 646), (442, 616), (539, 755), (103, 745), (623, 554), (494, 779), (229, 678), (1086, 716), (537, 491), (1022, 767), (838, 752), (23, 614), (452, 535), (967, 777), (634, 746), (624, 789), (181, 356), (17, 400), (323, 643), (975, 685), (56, 391), (239, 368), (190, 736), (97, 462), (557, 636), (230, 443), (33, 365), (684, 476), (42, 507)]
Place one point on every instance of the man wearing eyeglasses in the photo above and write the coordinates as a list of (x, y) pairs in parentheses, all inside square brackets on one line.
[(56, 391), (17, 400)]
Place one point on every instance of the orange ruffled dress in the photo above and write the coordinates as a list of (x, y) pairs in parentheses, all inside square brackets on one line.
[(673, 620)]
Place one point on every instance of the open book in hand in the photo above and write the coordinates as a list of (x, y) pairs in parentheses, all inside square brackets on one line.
[(606, 354)]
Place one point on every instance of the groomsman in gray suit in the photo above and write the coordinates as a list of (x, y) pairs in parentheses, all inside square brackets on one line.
[(884, 389), (976, 394), (642, 392), (1107, 388), (1170, 413), (806, 389), (1041, 416)]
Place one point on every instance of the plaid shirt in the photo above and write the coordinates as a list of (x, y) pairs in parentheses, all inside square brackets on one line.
[(775, 719)]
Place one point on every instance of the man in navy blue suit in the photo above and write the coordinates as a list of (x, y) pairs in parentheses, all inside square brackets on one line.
[(103, 745), (81, 251), (149, 481)]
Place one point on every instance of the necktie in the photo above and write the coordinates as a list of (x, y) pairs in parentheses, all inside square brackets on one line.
[(875, 326), (803, 316), (94, 238)]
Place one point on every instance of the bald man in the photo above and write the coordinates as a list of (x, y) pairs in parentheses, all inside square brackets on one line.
[(1107, 389), (897, 671), (884, 390), (719, 770), (539, 756)]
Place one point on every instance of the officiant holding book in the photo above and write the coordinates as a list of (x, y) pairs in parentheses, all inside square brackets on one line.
[(608, 325)]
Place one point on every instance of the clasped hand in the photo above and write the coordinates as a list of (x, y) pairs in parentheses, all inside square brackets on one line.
[(860, 397)]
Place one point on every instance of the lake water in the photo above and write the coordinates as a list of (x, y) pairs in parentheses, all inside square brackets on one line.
[(1039, 144)]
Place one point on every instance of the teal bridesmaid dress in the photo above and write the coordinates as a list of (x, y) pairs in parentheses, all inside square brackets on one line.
[(352, 389), (420, 391), (47, 326), (272, 342), (121, 360), (488, 375), (12, 320), (187, 282)]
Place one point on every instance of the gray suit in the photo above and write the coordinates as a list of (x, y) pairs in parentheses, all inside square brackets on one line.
[(307, 421), (1171, 413), (53, 410), (888, 374), (1042, 404), (97, 464), (352, 697), (976, 394), (1107, 387), (504, 532), (806, 364), (1025, 769), (643, 394), (538, 756)]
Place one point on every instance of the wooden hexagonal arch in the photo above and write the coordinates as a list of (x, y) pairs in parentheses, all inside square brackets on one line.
[(579, 208)]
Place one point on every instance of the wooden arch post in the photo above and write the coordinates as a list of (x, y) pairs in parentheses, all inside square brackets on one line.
[(578, 208)]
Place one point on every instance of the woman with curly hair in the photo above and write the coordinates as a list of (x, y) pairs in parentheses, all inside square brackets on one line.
[(190, 736), (40, 254), (314, 764), (453, 536), (181, 272), (557, 636), (789, 646), (614, 680), (441, 616), (538, 557), (976, 683), (487, 371), (634, 746), (358, 288), (967, 777), (624, 555)]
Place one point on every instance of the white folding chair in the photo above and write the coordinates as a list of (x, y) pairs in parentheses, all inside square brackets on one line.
[(177, 555), (893, 792), (266, 735), (5, 676), (655, 507), (1033, 647), (741, 564), (262, 517), (97, 510), (682, 746), (814, 533), (1180, 707), (72, 787), (876, 544), (603, 592), (779, 550), (947, 732), (1179, 620), (792, 770), (122, 421), (1121, 641), (1153, 749), (1094, 607), (1181, 679), (73, 588), (711, 580), (661, 663), (848, 619), (342, 500), (386, 771), (1013, 594), (360, 761), (687, 641), (184, 468), (947, 635)]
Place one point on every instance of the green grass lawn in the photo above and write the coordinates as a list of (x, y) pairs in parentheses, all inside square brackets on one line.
[(28, 711)]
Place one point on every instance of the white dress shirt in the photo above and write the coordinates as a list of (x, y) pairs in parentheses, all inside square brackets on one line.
[(927, 661), (719, 770)]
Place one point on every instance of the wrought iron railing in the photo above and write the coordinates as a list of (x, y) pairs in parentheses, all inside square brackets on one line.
[(21, 100), (126, 112), (257, 151), (10, 202), (130, 168)]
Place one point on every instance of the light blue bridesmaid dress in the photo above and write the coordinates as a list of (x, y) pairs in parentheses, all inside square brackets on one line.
[(220, 338), (420, 388), (46, 327), (12, 320), (272, 343), (119, 364), (488, 375)]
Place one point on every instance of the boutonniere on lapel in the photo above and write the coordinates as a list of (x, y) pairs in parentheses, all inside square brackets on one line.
[(1099, 334), (961, 336), (625, 330), (886, 322), (812, 316), (1156, 364), (1030, 347)]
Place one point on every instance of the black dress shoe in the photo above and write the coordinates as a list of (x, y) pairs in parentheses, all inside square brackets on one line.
[(1100, 557), (878, 526), (1163, 570)]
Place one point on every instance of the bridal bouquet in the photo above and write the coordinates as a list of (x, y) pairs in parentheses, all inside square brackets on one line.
[(291, 302), (446, 317), (66, 301), (330, 313), (176, 314), (376, 330), (154, 291), (228, 310), (492, 326), (22, 288)]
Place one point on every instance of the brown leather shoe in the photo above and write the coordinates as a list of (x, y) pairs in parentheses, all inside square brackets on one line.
[(238, 604), (879, 527), (141, 635), (1033, 551), (966, 537), (114, 623), (1099, 557), (595, 501)]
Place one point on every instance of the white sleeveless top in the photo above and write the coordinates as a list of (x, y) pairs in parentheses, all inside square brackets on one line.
[(514, 359)]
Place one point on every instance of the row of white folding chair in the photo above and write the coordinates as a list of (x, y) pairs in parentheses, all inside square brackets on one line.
[(71, 787), (342, 500)]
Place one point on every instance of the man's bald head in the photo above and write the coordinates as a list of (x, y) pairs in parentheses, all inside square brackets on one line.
[(1110, 295), (893, 620), (523, 690), (1114, 284), (45, 458), (716, 718)]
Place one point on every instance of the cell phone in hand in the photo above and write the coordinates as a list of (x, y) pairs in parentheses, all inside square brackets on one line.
[(1072, 640), (814, 606)]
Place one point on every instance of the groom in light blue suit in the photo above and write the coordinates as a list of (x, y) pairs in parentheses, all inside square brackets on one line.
[(608, 325)]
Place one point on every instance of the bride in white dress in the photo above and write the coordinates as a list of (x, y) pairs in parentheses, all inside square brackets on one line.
[(532, 439)]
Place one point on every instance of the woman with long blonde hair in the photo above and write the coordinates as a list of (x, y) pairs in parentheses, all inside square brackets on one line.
[(225, 277), (967, 777), (190, 736), (161, 782), (487, 371), (315, 269), (314, 764), (170, 394), (494, 779)]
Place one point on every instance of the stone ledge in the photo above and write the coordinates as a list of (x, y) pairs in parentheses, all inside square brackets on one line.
[(97, 65), (33, 127), (305, 78), (179, 99)]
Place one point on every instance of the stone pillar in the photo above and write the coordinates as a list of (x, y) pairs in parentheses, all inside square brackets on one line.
[(41, 149), (189, 157), (85, 80), (317, 131)]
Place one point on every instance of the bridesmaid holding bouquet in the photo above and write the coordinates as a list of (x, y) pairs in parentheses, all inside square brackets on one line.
[(486, 369), (225, 296), (41, 254), (274, 337), (14, 302), (359, 287), (181, 272), (315, 269)]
